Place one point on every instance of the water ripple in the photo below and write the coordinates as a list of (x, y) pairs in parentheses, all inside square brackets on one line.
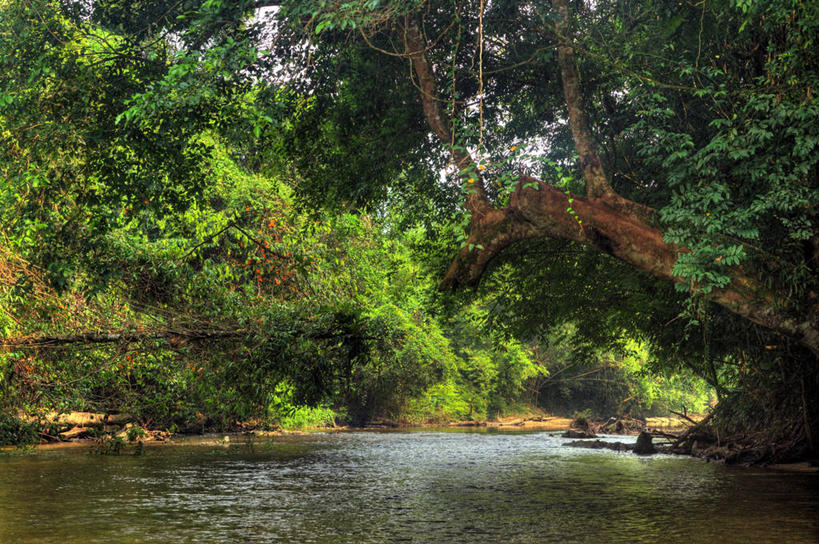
[(399, 487)]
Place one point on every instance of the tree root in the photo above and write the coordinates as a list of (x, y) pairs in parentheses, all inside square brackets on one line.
[(743, 448)]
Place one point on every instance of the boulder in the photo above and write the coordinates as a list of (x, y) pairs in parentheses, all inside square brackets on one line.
[(644, 445), (599, 445)]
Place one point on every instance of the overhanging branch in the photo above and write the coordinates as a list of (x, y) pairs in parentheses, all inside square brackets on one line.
[(122, 337)]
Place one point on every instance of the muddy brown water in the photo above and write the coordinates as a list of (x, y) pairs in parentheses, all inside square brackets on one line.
[(373, 487)]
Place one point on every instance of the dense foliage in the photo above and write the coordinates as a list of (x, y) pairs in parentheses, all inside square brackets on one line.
[(215, 213), (242, 308)]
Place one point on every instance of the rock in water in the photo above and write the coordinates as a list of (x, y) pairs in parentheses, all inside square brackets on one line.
[(572, 433), (599, 445), (644, 445)]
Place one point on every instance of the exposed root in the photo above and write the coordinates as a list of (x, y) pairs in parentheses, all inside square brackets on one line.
[(715, 439)]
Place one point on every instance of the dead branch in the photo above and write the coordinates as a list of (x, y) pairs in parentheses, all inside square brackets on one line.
[(124, 337)]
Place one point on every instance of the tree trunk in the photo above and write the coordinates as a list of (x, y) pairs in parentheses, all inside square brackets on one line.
[(597, 184)]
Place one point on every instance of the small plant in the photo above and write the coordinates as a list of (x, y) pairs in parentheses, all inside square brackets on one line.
[(135, 433), (14, 431), (109, 446), (583, 414), (304, 417)]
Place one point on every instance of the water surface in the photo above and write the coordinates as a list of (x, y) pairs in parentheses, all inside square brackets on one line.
[(398, 487)]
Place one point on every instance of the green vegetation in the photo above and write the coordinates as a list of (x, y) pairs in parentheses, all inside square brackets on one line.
[(241, 308), (213, 215)]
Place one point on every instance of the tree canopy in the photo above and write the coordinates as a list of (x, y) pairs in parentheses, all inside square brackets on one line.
[(651, 137)]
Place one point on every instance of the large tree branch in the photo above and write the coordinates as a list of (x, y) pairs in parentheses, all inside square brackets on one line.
[(122, 337), (172, 335), (541, 213)]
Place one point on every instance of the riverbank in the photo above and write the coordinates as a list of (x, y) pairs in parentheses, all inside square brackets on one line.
[(131, 439), (111, 433), (85, 429)]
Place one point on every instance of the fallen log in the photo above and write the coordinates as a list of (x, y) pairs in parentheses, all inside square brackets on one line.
[(76, 419), (70, 419), (512, 421), (118, 419), (124, 337), (74, 432), (684, 416), (661, 434)]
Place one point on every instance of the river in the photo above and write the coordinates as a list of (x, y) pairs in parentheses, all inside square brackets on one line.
[(422, 486)]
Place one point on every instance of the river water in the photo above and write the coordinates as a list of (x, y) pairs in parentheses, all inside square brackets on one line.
[(421, 486)]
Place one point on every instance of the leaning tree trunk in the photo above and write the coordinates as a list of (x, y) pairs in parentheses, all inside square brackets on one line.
[(603, 219)]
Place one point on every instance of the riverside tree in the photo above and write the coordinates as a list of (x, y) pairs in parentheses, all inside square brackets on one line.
[(678, 137)]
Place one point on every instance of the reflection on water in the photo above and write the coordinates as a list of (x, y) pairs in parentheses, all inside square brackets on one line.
[(399, 487)]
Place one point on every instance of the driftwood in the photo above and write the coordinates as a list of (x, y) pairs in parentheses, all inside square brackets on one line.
[(686, 439), (75, 432), (516, 421), (118, 419), (662, 434), (70, 419), (684, 416), (77, 419), (57, 427)]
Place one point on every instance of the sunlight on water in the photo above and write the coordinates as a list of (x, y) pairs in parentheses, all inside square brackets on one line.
[(399, 487)]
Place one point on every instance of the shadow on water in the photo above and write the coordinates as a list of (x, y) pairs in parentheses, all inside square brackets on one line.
[(399, 487)]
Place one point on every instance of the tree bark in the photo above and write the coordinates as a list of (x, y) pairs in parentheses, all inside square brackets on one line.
[(415, 47), (540, 213)]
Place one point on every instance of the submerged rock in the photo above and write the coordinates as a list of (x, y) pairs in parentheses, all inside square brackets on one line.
[(572, 433), (600, 445)]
